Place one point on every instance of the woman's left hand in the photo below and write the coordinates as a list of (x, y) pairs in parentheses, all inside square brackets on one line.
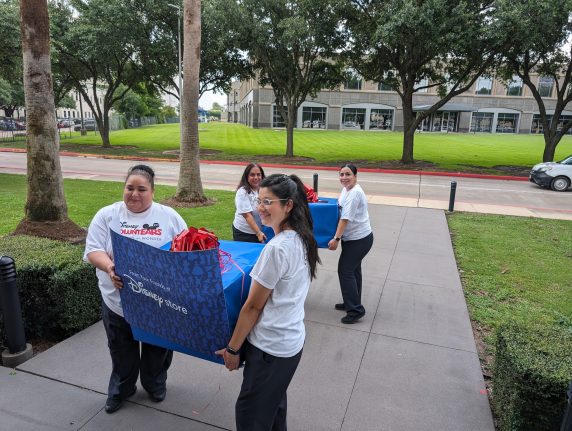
[(332, 244), (231, 362)]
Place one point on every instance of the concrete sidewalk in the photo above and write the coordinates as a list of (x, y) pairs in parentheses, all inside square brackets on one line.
[(409, 364)]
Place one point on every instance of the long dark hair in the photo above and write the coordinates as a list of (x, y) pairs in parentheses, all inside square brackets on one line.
[(351, 167), (244, 179), (299, 219)]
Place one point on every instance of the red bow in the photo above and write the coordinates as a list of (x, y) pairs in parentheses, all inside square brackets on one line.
[(311, 195), (192, 239)]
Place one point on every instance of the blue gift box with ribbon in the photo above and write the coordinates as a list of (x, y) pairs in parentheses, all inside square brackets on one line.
[(325, 215), (184, 301)]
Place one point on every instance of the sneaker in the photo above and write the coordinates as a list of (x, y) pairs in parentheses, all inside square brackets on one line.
[(114, 404), (158, 395), (340, 306)]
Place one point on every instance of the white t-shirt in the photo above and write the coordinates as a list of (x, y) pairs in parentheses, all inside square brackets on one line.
[(354, 210), (156, 226), (245, 203), (282, 267)]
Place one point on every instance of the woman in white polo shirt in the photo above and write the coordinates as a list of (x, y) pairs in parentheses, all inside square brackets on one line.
[(354, 232), (270, 331), (246, 225)]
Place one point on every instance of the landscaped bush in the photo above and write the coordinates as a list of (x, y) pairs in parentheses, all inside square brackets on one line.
[(58, 291), (532, 371)]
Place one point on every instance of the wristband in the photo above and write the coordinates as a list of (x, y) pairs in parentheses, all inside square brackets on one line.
[(337, 238), (231, 350)]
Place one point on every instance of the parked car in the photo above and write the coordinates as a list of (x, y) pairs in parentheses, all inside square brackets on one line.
[(11, 124), (65, 122), (88, 124), (556, 175)]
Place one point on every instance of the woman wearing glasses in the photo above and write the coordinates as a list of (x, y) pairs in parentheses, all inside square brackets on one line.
[(270, 331), (246, 224), (354, 232)]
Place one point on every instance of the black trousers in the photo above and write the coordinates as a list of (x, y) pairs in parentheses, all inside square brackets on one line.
[(262, 403), (238, 235), (129, 358), (349, 272)]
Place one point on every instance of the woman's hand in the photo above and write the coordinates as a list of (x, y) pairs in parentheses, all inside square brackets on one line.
[(261, 236), (115, 279), (231, 362), (333, 244)]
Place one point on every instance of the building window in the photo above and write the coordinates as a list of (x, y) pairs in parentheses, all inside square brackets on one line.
[(545, 85), (514, 87), (422, 83), (484, 85), (354, 82), (507, 123), (537, 124), (277, 120), (482, 122), (313, 117), (353, 118), (384, 87), (381, 119)]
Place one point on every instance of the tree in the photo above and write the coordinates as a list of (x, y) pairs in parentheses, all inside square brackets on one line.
[(292, 45), (45, 200), (540, 33), (413, 45), (189, 186)]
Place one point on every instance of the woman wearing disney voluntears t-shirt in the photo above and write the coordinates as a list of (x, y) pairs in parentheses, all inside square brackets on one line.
[(139, 218), (354, 232)]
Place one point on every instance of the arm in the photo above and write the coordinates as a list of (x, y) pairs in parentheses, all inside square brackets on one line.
[(333, 243), (247, 318), (103, 262), (250, 220)]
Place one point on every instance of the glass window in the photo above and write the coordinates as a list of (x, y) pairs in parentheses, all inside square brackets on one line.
[(313, 117), (277, 120), (384, 87), (537, 124), (514, 87), (507, 123), (381, 119), (484, 85), (353, 83), (423, 83), (353, 118), (482, 122), (545, 85)]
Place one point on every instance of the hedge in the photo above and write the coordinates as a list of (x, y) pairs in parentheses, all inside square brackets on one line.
[(58, 291), (532, 371)]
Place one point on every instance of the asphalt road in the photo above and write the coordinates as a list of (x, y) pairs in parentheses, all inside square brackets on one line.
[(412, 190)]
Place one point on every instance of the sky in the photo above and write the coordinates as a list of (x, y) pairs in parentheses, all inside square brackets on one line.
[(206, 102)]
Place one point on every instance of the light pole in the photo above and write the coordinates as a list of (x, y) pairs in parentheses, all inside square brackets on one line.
[(179, 46)]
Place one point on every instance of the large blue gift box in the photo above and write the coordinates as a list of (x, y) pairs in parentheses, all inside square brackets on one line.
[(325, 215), (183, 301)]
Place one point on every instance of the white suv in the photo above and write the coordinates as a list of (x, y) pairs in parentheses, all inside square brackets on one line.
[(556, 175)]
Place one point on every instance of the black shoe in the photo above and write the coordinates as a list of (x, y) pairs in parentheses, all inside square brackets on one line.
[(158, 395), (340, 306), (352, 318), (114, 404)]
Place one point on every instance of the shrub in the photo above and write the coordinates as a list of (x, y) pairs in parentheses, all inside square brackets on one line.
[(532, 371), (58, 291)]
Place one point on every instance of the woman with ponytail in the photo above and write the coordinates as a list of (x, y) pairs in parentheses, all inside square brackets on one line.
[(270, 332)]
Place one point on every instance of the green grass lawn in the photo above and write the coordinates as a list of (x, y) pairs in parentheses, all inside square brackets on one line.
[(451, 151), (514, 268)]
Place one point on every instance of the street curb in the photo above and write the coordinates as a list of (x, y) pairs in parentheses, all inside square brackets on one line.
[(284, 166)]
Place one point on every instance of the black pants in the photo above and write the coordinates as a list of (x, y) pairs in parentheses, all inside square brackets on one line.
[(238, 235), (261, 405), (349, 272), (128, 361)]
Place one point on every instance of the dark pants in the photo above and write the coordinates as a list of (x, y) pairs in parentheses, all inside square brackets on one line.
[(127, 360), (349, 272), (238, 235), (261, 405)]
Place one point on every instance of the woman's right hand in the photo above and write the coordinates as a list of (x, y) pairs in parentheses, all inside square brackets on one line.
[(261, 236), (115, 279)]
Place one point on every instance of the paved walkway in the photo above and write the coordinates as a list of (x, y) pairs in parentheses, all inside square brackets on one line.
[(410, 364)]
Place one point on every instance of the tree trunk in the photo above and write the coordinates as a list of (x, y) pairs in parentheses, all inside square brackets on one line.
[(45, 197), (290, 130), (408, 128), (104, 131), (549, 148), (189, 186)]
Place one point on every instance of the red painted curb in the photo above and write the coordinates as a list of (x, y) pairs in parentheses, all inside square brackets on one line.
[(283, 166)]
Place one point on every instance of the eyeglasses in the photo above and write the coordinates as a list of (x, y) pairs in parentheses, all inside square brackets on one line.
[(267, 202)]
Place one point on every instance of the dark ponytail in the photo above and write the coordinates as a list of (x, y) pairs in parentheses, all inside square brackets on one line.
[(299, 219)]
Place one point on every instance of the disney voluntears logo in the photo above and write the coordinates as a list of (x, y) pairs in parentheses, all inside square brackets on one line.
[(134, 229)]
